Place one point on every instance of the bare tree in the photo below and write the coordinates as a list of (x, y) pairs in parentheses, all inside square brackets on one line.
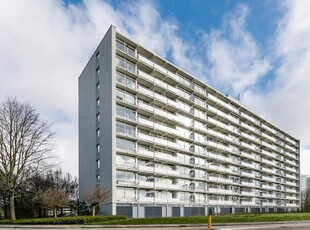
[(53, 198), (25, 144), (305, 200), (96, 196)]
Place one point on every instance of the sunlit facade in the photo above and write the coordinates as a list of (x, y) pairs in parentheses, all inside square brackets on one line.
[(167, 144)]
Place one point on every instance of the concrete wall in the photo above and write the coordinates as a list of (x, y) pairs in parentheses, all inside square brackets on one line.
[(88, 125)]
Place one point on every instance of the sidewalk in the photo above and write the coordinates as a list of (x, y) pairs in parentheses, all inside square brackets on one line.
[(154, 226)]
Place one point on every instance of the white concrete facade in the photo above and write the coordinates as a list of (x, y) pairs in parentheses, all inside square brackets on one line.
[(167, 144)]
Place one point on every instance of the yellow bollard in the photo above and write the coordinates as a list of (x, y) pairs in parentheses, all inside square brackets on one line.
[(209, 221)]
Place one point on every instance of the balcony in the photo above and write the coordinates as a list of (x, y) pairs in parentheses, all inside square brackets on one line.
[(270, 179), (291, 148), (291, 155), (291, 205), (290, 176), (291, 198), (268, 137), (248, 127), (145, 122), (248, 165), (220, 202), (146, 169), (146, 107), (166, 157), (147, 199), (290, 162), (291, 183), (247, 174), (267, 170), (271, 204), (212, 167), (160, 69), (146, 184), (249, 184), (269, 187), (250, 156), (243, 193), (268, 128), (173, 76), (166, 143), (248, 203), (288, 190), (145, 61), (267, 153), (252, 119), (146, 137), (268, 162)]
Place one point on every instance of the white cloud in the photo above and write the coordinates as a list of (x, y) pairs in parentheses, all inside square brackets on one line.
[(287, 101), (234, 56), (44, 46)]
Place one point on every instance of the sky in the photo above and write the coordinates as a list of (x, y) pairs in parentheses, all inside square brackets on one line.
[(259, 49)]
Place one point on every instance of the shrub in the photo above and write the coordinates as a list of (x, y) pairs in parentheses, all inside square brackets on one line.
[(65, 220)]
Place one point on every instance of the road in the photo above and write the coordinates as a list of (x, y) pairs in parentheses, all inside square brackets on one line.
[(299, 225), (302, 225)]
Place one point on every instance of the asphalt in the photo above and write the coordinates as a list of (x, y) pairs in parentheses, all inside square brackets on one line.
[(154, 226)]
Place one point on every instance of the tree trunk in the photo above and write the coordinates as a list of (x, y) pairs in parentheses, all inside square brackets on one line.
[(5, 206), (94, 210), (12, 207), (55, 212)]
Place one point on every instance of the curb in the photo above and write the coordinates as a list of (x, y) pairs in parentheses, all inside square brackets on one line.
[(215, 225)]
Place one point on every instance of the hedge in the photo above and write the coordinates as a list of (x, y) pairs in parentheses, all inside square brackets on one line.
[(65, 220)]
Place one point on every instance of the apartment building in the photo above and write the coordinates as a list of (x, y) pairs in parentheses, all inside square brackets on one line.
[(167, 144), (304, 182)]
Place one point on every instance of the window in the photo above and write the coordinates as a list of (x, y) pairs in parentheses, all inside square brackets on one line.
[(98, 102), (125, 193), (98, 87), (125, 144), (125, 160), (125, 176), (125, 48), (98, 179), (125, 64), (98, 148), (131, 51), (120, 62), (126, 112), (98, 132), (125, 96), (126, 80), (98, 164), (97, 55), (98, 117), (98, 71), (120, 46), (125, 128)]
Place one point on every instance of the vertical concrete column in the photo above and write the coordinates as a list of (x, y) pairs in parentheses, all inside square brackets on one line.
[(164, 211), (134, 211), (168, 211), (182, 211)]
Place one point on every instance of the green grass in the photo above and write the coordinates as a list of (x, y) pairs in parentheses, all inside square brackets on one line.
[(215, 219), (122, 220), (65, 220)]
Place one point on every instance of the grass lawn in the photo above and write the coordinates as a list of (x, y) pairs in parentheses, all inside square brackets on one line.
[(122, 220), (215, 219)]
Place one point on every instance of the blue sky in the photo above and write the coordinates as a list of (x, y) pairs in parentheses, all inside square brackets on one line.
[(260, 49)]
